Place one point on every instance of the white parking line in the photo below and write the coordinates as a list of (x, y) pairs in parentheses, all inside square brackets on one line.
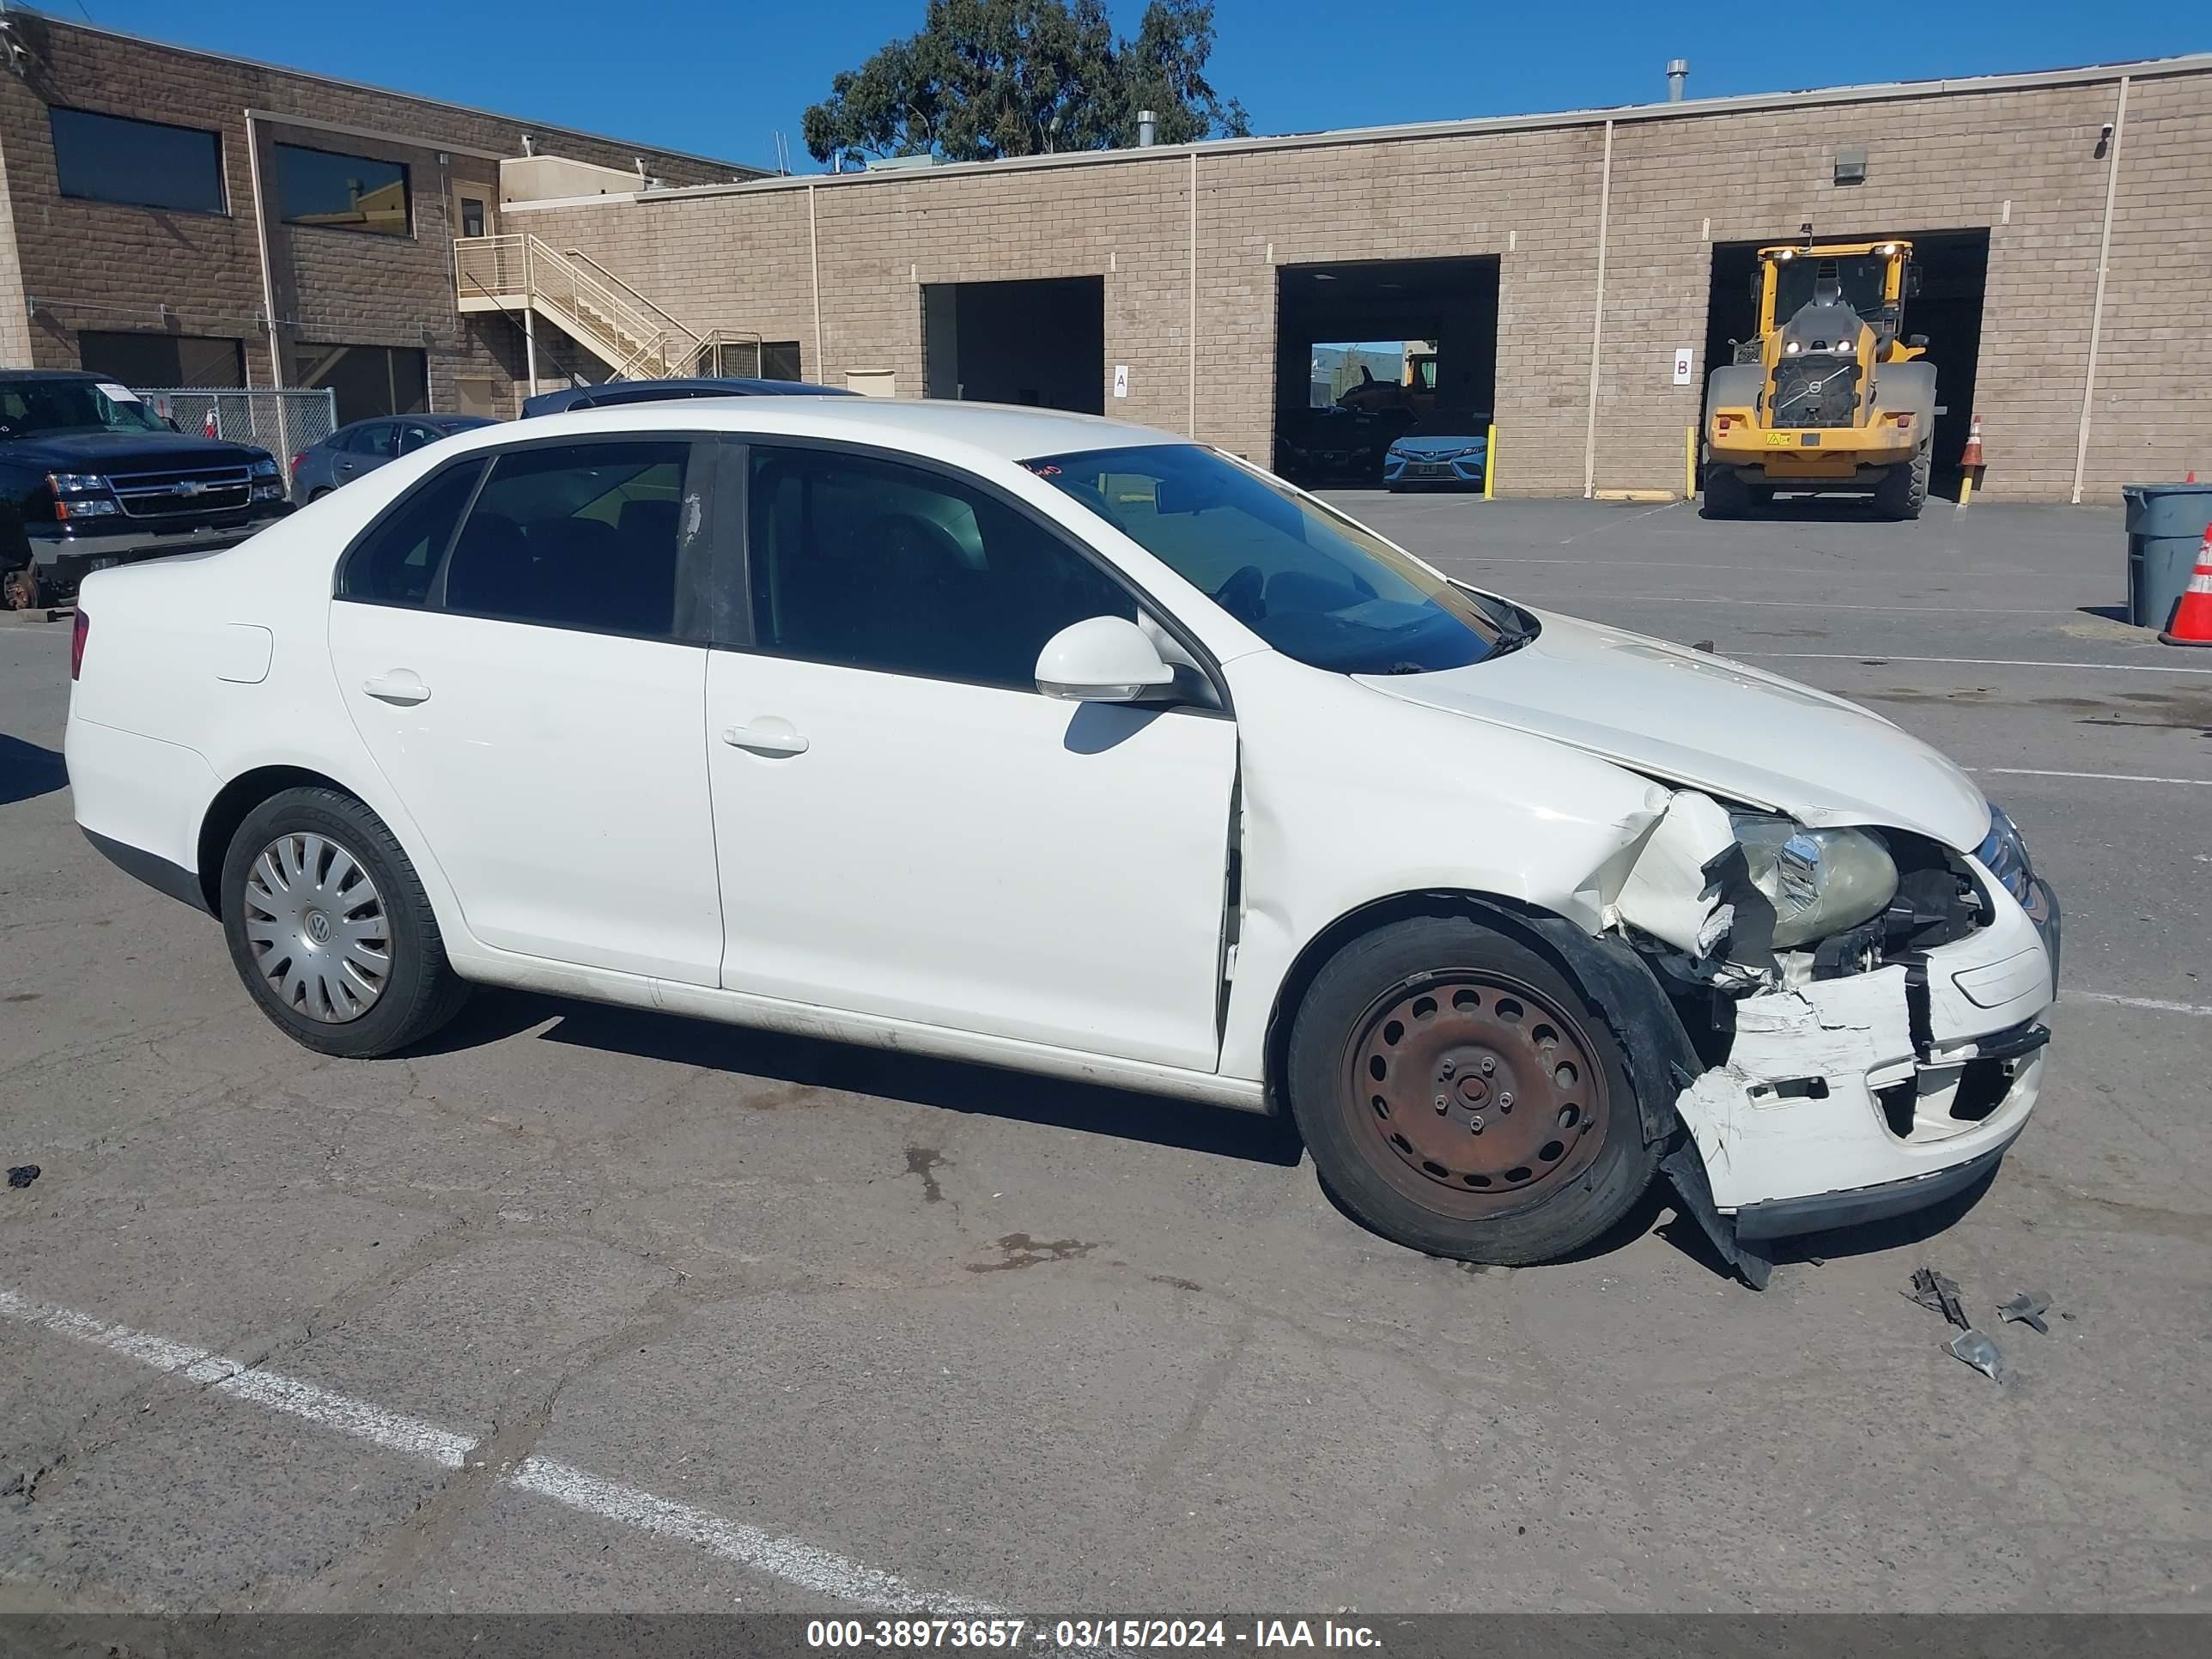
[(2154, 1005), (2102, 777), (820, 1571), (1879, 659), (1805, 604)]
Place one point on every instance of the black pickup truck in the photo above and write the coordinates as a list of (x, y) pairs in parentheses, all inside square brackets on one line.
[(91, 476)]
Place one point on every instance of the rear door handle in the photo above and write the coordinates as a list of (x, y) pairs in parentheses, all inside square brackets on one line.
[(766, 737), (401, 686)]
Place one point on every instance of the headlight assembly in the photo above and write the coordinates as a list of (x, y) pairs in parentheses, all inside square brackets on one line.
[(76, 483), (264, 466), (2004, 853), (1819, 881)]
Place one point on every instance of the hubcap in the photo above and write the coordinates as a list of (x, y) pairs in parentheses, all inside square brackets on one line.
[(1474, 1094), (317, 927)]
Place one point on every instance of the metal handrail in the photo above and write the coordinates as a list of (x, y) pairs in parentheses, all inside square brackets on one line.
[(675, 323)]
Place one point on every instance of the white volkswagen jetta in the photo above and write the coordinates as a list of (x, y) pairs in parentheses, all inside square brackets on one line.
[(1069, 746)]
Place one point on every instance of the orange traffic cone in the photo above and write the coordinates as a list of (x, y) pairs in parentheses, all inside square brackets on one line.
[(1973, 458), (2192, 617)]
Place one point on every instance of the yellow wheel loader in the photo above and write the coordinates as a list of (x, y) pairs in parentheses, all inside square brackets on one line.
[(1831, 396)]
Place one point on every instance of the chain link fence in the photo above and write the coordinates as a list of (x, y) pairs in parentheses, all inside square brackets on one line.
[(283, 421)]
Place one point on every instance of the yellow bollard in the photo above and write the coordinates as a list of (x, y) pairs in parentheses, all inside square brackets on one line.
[(1966, 488), (1489, 463), (1689, 464)]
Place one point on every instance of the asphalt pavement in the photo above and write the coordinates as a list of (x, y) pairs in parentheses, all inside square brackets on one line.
[(585, 1308)]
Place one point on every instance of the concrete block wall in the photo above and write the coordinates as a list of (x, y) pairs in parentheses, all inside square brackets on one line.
[(103, 265), (2018, 160)]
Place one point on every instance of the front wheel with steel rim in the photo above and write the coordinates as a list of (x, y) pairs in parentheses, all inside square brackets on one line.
[(1460, 1096), (330, 929)]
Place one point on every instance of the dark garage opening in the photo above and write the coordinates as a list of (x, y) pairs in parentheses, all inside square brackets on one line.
[(1040, 342), (1954, 272), (1452, 303)]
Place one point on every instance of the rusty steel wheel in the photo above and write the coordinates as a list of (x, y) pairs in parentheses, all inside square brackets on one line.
[(1477, 1095), (1462, 1094)]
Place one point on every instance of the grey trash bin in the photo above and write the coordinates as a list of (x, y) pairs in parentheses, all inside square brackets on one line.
[(2165, 526)]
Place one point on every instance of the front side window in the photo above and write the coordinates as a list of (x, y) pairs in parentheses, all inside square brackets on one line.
[(872, 564), (333, 191), (576, 536), (110, 158), (1312, 583), (45, 409), (369, 438), (395, 562)]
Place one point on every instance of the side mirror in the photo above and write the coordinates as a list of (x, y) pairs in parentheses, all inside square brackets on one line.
[(1918, 341), (1102, 659)]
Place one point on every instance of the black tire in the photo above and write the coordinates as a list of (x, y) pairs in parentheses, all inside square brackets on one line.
[(1727, 496), (418, 993), (319, 492), (1903, 490), (1494, 999)]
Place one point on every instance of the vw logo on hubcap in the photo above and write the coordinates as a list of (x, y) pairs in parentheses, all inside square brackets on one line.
[(318, 927)]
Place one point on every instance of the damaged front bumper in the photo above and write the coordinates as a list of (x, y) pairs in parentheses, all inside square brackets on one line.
[(1871, 1095)]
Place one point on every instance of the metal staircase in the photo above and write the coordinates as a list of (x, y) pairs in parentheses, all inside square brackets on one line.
[(635, 339)]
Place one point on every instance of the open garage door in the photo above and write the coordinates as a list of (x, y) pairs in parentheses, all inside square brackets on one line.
[(1954, 273), (1366, 351), (1040, 342)]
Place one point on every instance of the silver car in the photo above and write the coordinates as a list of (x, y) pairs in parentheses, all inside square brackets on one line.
[(367, 444)]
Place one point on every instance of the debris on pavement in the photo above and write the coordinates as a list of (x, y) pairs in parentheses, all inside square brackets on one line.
[(2027, 1309), (1980, 1352), (22, 1175), (1939, 1294)]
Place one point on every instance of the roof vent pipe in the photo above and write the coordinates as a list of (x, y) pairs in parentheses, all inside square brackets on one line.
[(1148, 129), (1678, 70)]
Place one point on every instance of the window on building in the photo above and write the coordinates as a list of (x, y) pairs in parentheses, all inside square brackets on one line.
[(872, 564), (780, 361), (472, 217), (575, 536), (324, 188), (145, 358), (369, 380), (109, 158)]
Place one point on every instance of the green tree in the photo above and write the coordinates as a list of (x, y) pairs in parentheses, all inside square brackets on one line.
[(991, 78)]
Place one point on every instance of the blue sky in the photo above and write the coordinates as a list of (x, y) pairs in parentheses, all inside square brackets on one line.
[(721, 79)]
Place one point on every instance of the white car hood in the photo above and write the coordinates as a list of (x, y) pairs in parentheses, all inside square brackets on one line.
[(1711, 723)]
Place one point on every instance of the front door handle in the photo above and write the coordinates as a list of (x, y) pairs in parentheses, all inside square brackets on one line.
[(767, 737), (401, 686)]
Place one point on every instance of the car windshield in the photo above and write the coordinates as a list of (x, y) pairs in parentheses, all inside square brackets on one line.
[(48, 407), (1309, 581), (1450, 423)]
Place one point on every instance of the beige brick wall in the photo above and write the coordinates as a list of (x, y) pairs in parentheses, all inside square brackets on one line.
[(101, 265), (2018, 161)]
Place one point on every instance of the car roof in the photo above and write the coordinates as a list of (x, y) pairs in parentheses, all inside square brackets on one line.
[(1005, 431), (8, 376)]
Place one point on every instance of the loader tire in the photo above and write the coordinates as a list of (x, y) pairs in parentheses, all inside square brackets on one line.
[(1904, 490), (1727, 496)]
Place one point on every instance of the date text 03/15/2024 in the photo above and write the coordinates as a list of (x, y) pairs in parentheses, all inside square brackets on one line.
[(1085, 1635)]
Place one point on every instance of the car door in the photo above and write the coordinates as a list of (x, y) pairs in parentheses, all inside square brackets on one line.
[(907, 827), (515, 642), (366, 447)]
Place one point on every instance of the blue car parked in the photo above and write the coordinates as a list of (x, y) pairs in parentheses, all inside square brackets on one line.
[(1445, 449), (654, 391)]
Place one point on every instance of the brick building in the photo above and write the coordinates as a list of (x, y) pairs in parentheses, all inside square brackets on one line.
[(2066, 219), (172, 217)]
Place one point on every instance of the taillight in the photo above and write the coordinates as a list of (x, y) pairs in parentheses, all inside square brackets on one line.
[(78, 634), (297, 459), (1904, 423)]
